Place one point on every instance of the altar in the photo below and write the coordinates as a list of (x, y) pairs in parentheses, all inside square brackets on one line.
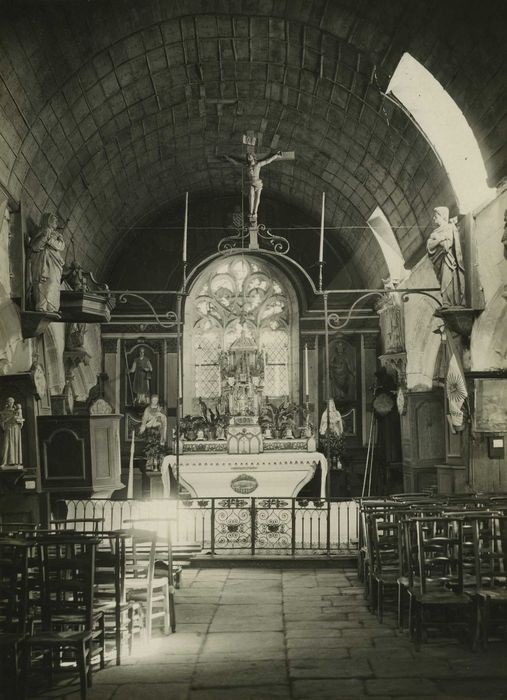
[(241, 431), (271, 474)]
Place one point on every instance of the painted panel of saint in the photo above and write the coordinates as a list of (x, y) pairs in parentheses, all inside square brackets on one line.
[(342, 370), (141, 375)]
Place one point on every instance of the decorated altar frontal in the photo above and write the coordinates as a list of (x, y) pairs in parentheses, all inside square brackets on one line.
[(273, 474)]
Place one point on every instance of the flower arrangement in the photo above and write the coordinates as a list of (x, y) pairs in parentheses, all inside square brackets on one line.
[(336, 447), (154, 450)]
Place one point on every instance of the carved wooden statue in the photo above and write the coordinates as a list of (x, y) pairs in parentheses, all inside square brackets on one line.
[(45, 266), (254, 179), (11, 422), (141, 369), (444, 251)]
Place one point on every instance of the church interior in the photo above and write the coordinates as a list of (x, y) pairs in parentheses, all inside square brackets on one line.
[(253, 349)]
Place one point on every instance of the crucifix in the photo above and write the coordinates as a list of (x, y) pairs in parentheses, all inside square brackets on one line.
[(254, 166)]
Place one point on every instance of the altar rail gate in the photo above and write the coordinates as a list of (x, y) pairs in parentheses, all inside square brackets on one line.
[(241, 525)]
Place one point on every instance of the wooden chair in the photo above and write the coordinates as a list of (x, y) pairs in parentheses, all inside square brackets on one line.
[(437, 597), (13, 611), (490, 593), (110, 591), (386, 566), (68, 622), (141, 584)]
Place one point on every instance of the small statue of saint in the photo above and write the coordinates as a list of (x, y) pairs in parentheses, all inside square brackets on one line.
[(154, 424), (254, 179), (74, 335), (154, 418), (76, 278), (335, 420), (444, 251), (141, 369), (11, 422), (45, 266)]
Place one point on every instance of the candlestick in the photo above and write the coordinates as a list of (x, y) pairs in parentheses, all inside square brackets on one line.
[(306, 371), (185, 229), (321, 245)]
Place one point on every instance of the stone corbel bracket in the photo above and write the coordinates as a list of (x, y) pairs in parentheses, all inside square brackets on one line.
[(458, 319)]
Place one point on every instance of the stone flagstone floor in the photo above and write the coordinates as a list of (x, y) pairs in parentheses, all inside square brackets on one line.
[(255, 634)]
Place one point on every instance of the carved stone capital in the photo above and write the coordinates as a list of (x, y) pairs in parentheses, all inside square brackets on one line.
[(396, 362), (72, 359)]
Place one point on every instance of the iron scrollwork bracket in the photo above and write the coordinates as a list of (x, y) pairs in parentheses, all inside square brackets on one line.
[(334, 320), (406, 294), (171, 317), (237, 240), (279, 244)]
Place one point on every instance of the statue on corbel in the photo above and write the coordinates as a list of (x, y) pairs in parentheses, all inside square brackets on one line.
[(444, 252), (45, 266)]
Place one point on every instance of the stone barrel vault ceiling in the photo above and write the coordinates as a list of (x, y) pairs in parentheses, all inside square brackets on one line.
[(110, 111)]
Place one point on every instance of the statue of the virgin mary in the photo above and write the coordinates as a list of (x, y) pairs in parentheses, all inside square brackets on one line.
[(335, 419)]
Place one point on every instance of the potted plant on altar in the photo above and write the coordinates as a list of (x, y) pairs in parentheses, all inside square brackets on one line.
[(267, 419), (199, 425), (215, 423), (285, 418), (221, 425), (187, 427)]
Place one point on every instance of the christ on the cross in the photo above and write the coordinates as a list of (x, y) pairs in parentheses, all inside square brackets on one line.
[(254, 178)]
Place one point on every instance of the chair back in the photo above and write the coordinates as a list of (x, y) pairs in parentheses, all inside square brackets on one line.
[(140, 554), (440, 554), (490, 551), (110, 566), (13, 585), (67, 573), (383, 533), (93, 525)]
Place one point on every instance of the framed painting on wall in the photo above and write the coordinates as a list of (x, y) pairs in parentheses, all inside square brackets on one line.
[(490, 414)]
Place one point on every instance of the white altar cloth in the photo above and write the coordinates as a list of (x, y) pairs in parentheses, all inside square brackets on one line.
[(276, 474)]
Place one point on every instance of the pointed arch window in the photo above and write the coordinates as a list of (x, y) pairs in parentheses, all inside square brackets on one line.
[(241, 293)]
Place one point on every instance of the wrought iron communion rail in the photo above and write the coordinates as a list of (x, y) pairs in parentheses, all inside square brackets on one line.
[(237, 525)]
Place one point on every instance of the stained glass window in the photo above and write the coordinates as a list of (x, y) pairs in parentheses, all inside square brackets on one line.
[(240, 293)]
